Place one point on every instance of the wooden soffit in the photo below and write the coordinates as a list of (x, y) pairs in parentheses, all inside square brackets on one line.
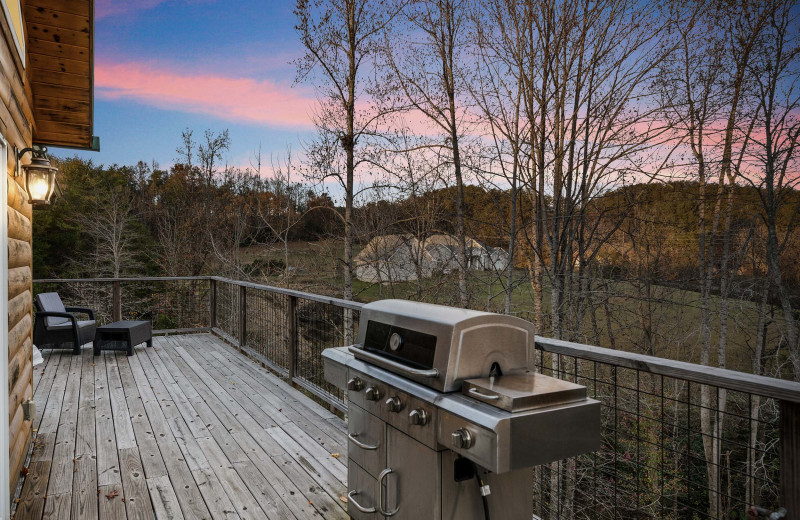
[(60, 66)]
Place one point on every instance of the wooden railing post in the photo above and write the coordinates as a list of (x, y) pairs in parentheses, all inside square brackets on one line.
[(291, 327), (242, 316), (790, 458), (213, 302), (116, 301)]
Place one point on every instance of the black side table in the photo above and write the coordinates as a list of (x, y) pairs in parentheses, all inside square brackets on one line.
[(130, 332)]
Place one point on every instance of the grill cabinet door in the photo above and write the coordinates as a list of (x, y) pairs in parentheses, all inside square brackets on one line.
[(415, 482), (367, 440), (363, 489)]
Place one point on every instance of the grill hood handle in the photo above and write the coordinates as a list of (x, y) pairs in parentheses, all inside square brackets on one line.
[(394, 366)]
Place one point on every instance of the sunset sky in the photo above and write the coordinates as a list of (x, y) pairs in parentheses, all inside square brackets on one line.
[(164, 65)]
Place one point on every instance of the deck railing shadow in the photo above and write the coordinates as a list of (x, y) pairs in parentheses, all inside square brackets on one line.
[(656, 459)]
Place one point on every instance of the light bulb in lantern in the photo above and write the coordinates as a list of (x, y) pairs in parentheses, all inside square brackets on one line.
[(40, 179), (38, 185)]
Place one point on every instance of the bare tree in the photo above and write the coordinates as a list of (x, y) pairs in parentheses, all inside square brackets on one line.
[(777, 91), (111, 228), (233, 208), (425, 78), (339, 39), (498, 94), (279, 209)]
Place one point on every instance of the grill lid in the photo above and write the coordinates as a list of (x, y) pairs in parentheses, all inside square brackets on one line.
[(523, 391), (441, 346)]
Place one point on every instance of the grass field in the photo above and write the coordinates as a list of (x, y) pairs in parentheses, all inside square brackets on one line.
[(663, 322)]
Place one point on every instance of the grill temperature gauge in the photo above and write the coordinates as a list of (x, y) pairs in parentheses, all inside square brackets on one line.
[(395, 342)]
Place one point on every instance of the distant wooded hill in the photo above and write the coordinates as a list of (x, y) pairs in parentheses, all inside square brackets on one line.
[(648, 230)]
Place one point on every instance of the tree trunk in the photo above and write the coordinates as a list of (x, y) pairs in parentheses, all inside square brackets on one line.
[(348, 141)]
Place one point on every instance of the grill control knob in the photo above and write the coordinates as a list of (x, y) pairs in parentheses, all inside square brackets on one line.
[(463, 439), (355, 384), (372, 394), (418, 417), (394, 404)]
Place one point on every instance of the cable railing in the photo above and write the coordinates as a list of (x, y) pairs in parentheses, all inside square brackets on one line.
[(679, 440)]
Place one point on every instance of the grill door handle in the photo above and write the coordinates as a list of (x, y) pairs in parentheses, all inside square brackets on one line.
[(352, 437), (474, 391), (383, 475), (394, 365), (361, 508)]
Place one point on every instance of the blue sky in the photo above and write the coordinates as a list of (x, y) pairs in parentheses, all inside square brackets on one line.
[(162, 66)]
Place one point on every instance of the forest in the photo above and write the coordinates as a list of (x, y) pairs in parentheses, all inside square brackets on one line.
[(637, 161)]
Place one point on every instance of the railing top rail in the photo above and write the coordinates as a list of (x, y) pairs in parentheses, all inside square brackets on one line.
[(347, 304), (279, 290), (123, 279), (720, 377), (723, 378)]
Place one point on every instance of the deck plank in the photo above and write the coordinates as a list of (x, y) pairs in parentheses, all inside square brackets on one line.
[(84, 490), (137, 497), (165, 501), (333, 440), (295, 406), (216, 498), (152, 462), (293, 403), (84, 481), (188, 429), (332, 485), (48, 396), (31, 501), (57, 507), (245, 503), (107, 457), (272, 474), (123, 428), (45, 383), (110, 502), (181, 480), (297, 489), (302, 499), (219, 420), (63, 466)]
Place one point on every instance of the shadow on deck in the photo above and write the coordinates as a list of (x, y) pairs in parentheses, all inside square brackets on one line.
[(188, 429)]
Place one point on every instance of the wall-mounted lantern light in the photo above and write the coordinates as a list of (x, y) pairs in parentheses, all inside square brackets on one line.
[(40, 175)]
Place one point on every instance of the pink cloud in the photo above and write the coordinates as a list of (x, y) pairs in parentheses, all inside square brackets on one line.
[(242, 100)]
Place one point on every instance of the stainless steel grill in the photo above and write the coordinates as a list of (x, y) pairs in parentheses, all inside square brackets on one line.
[(440, 398)]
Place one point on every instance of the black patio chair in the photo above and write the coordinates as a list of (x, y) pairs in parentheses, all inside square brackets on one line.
[(57, 325)]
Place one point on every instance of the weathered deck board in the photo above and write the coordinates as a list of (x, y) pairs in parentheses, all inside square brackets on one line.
[(187, 429)]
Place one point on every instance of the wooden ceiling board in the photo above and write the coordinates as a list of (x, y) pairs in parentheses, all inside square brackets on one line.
[(59, 50), (61, 139), (67, 117), (73, 129), (61, 104), (56, 34), (60, 36), (51, 91), (78, 7), (60, 79), (39, 61), (50, 17)]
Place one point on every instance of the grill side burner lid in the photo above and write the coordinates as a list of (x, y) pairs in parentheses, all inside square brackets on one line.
[(441, 346), (524, 391)]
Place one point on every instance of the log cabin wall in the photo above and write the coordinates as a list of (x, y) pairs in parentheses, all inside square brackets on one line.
[(16, 125)]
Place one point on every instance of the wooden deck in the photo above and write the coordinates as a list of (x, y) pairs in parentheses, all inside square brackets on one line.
[(187, 429)]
